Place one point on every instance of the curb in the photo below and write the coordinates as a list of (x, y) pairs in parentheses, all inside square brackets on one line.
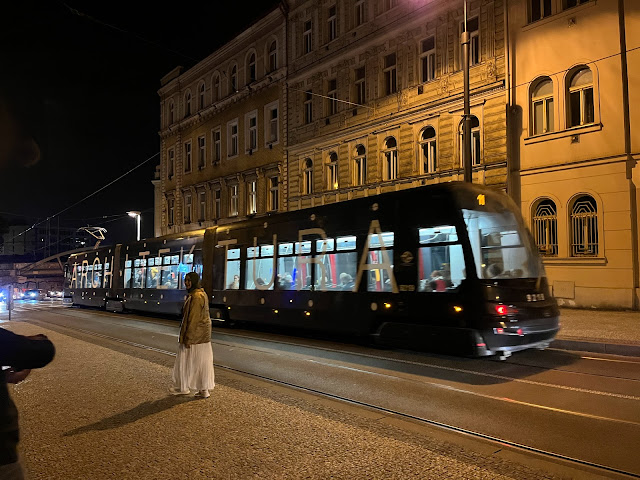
[(597, 347)]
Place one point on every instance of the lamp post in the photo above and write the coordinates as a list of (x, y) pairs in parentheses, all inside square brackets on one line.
[(466, 126), (136, 215)]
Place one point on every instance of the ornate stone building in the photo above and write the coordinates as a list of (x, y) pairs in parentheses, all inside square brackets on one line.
[(223, 131), (574, 73)]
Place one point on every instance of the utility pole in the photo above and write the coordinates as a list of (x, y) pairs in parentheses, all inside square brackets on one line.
[(466, 125)]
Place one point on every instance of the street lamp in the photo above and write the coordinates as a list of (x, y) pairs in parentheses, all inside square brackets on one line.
[(136, 215)]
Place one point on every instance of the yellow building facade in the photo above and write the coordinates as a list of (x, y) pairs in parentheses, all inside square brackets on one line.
[(574, 72)]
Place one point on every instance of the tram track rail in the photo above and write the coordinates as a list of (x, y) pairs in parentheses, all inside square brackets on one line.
[(499, 442)]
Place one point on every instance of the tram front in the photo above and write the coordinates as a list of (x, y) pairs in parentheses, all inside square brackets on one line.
[(516, 308)]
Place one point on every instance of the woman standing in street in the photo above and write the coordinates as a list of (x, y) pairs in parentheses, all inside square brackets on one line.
[(193, 369)]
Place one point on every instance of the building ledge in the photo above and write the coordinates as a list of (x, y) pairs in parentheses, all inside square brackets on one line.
[(574, 261), (569, 132)]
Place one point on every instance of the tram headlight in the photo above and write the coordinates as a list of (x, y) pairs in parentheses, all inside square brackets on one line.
[(387, 305)]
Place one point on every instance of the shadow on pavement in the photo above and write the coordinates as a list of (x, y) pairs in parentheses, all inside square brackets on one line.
[(145, 409)]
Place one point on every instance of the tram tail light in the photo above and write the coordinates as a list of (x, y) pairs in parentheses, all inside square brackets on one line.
[(505, 310)]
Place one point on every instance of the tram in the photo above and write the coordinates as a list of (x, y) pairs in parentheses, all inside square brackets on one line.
[(447, 268)]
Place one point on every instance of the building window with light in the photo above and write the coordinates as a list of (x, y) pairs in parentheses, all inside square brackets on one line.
[(252, 197), (475, 141), (232, 138), (580, 98), (217, 90), (307, 42), (202, 153), (539, 9), (273, 56), (171, 164), (359, 86), (428, 59), (233, 200), (545, 227), (390, 159), (187, 157), (217, 145), (390, 74), (359, 12), (542, 106), (332, 171), (251, 67), (360, 165), (308, 107), (201, 91), (251, 134), (187, 208), (274, 194), (332, 23), (307, 176), (332, 97), (428, 158), (584, 227), (202, 196)]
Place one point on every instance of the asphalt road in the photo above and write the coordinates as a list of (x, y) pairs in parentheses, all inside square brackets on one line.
[(583, 407)]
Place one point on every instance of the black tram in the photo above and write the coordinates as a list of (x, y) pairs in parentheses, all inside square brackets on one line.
[(447, 268)]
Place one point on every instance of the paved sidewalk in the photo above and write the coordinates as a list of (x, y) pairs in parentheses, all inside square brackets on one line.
[(98, 413), (599, 331)]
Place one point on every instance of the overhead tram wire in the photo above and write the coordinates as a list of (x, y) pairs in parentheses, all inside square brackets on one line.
[(88, 196)]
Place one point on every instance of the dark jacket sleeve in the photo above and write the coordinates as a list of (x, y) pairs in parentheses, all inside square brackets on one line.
[(22, 352)]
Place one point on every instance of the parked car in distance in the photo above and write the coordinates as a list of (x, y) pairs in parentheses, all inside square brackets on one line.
[(34, 294), (55, 294)]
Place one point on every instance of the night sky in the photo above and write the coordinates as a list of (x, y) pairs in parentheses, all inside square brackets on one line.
[(81, 79)]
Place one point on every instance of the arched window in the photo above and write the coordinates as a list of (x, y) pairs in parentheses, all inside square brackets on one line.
[(332, 171), (542, 106), (584, 227), (273, 56), (307, 181), (233, 80), (360, 166), (187, 104), (251, 68), (475, 141), (428, 160), (216, 90), (172, 117), (201, 91), (390, 159), (545, 227), (580, 104)]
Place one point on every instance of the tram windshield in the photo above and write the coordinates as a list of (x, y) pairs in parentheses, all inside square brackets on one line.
[(500, 244)]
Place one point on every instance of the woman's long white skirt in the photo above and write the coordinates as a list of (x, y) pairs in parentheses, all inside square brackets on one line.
[(194, 367)]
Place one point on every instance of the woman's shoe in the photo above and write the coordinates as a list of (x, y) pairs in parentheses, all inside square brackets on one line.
[(203, 393), (175, 391)]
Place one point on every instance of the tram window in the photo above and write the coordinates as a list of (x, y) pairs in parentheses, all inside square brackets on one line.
[(187, 258), (445, 233), (152, 274), (303, 247), (328, 244), (337, 269), (441, 268), (497, 245), (232, 281), (97, 276), (168, 275), (259, 266), (127, 274), (379, 278), (293, 271), (387, 238), (140, 266)]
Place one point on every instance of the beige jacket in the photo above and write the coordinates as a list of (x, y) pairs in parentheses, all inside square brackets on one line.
[(196, 324)]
